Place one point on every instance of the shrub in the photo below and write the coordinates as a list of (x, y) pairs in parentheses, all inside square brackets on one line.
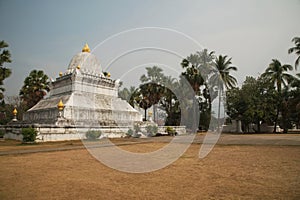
[(170, 131), (29, 134), (93, 135), (136, 135), (137, 128), (2, 133), (151, 130), (129, 132)]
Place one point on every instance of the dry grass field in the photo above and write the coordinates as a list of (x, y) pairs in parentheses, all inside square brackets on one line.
[(228, 172)]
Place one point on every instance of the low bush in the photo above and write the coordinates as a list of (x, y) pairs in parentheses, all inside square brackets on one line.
[(170, 131), (130, 133), (151, 130), (2, 134), (93, 135), (137, 128), (136, 135), (29, 134)]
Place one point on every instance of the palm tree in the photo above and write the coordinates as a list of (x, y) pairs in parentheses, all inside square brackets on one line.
[(223, 67), (35, 87), (154, 74), (192, 75), (153, 79), (148, 95), (276, 73), (296, 81), (205, 56), (296, 49), (222, 77), (169, 100), (197, 68), (206, 61), (201, 61)]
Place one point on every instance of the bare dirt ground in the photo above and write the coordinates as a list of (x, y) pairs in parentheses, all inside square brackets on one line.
[(239, 167)]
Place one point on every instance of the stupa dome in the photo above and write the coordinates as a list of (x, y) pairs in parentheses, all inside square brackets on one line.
[(85, 60)]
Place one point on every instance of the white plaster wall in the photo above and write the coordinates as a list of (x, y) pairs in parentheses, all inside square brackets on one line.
[(13, 136)]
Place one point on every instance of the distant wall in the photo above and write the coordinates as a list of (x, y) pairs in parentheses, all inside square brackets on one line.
[(234, 128)]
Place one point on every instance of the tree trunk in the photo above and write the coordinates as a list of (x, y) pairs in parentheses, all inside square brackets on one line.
[(219, 107), (278, 105), (195, 120), (154, 112), (170, 112), (258, 126), (276, 118), (145, 119)]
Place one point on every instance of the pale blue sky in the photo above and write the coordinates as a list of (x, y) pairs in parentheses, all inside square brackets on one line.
[(46, 34)]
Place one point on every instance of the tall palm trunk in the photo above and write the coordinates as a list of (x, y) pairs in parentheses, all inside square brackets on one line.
[(278, 105), (276, 119), (219, 107), (196, 121), (154, 112)]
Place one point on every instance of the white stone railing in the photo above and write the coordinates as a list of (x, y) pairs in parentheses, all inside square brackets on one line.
[(64, 133)]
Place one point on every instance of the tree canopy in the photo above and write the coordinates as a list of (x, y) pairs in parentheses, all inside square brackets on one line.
[(5, 57), (296, 50), (35, 87)]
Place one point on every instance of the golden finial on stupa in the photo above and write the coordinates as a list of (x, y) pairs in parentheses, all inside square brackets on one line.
[(86, 48), (60, 73), (15, 112), (60, 105), (78, 67)]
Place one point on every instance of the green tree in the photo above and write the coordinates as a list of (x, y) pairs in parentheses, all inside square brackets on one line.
[(277, 74), (152, 87), (154, 74), (224, 67), (35, 87), (143, 98), (5, 72), (7, 107), (261, 104), (169, 102), (290, 108), (155, 90), (6, 112), (257, 108), (197, 68), (235, 103), (296, 49), (202, 61), (192, 75)]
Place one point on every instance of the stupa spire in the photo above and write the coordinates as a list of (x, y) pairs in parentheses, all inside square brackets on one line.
[(86, 48)]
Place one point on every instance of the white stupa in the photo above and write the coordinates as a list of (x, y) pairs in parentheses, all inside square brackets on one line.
[(86, 97)]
